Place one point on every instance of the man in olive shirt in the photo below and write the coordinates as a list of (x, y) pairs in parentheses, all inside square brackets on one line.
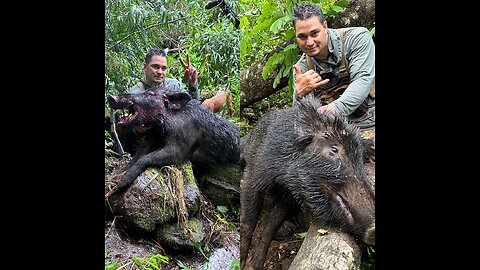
[(337, 66), (155, 69)]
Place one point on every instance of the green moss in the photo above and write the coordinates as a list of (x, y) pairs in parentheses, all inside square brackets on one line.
[(194, 225), (187, 171)]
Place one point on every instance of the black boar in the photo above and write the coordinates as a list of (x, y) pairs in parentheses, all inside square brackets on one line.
[(168, 127), (308, 161)]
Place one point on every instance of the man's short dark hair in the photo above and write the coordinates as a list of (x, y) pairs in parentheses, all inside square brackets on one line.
[(306, 11), (155, 51)]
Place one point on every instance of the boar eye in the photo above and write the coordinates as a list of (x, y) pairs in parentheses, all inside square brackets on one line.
[(333, 150)]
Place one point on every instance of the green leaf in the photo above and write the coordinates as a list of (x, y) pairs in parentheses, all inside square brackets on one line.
[(279, 23), (199, 248), (180, 263), (290, 47), (302, 235), (222, 209), (271, 64), (278, 77), (342, 3), (235, 264), (337, 8), (290, 33), (244, 21), (286, 71)]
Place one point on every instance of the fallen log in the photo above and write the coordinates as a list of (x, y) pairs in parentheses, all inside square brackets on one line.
[(327, 250)]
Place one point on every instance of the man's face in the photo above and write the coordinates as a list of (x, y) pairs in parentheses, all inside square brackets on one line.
[(312, 37), (156, 70)]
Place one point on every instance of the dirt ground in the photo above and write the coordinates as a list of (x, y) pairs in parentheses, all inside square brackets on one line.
[(122, 250), (281, 253)]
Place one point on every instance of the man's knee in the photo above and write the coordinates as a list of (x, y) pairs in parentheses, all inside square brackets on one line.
[(215, 103)]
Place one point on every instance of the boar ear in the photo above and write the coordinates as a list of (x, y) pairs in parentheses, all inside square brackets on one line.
[(303, 141), (177, 100)]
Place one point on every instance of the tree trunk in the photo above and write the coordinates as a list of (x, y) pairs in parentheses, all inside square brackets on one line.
[(357, 13), (254, 88), (252, 85), (327, 250)]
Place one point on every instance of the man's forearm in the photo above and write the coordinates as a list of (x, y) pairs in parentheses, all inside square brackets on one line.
[(353, 96)]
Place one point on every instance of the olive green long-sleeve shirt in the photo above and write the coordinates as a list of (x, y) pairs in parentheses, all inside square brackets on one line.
[(359, 50)]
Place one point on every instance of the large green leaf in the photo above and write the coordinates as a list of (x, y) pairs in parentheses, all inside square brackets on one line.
[(279, 23)]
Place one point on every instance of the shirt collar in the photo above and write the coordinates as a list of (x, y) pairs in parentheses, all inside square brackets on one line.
[(334, 47)]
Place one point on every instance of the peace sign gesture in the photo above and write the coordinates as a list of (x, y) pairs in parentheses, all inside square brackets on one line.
[(190, 71)]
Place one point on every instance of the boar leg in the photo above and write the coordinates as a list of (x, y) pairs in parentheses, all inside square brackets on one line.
[(169, 155), (266, 229)]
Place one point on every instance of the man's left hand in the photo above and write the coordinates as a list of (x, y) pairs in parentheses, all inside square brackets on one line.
[(325, 109), (190, 71)]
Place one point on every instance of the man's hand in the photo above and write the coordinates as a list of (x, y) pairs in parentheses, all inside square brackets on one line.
[(190, 71), (325, 109), (308, 81)]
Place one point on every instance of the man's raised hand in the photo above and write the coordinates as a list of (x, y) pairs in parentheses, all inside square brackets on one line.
[(190, 71), (308, 81)]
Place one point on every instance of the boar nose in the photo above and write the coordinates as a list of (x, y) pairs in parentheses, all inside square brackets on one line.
[(370, 236), (111, 99)]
